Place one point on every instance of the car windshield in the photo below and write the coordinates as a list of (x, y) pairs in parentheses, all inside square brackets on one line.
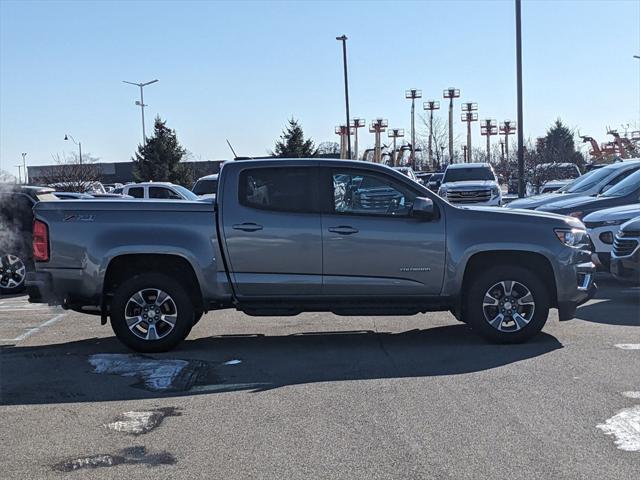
[(625, 187), (187, 194), (470, 173), (205, 187), (588, 180)]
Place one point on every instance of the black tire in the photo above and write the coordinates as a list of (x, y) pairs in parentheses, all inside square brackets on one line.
[(197, 316), (144, 283), (482, 282), (11, 273)]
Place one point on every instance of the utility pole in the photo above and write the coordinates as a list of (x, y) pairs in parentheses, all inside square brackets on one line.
[(344, 133), (412, 95), (19, 174), (343, 39), (431, 105), (79, 144), (357, 123), (507, 128), (521, 186), (141, 104), (378, 126), (469, 114), (502, 149), (451, 93), (464, 153), (395, 133), (488, 127), (24, 166)]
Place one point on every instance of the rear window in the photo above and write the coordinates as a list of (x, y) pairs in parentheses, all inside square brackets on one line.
[(279, 189)]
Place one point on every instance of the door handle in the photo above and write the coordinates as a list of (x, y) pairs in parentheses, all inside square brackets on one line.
[(343, 230), (247, 227)]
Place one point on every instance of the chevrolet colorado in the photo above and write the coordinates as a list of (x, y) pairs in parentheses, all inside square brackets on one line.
[(287, 236)]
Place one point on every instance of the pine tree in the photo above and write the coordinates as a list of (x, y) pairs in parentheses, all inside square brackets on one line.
[(160, 159), (292, 143), (558, 146)]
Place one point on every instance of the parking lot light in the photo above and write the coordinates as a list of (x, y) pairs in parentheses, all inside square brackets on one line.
[(141, 104), (395, 133), (357, 123), (412, 94), (469, 115), (451, 93), (488, 127), (508, 127), (378, 126), (79, 144), (430, 106)]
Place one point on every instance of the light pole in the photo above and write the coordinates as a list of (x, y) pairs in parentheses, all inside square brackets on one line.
[(357, 123), (502, 149), (343, 39), (24, 166), (395, 133), (507, 128), (79, 144), (488, 127), (451, 93), (521, 186), (344, 134), (19, 174), (431, 105), (378, 126), (141, 104), (469, 114), (412, 94)]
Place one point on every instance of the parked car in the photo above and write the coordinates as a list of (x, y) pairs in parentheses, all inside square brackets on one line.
[(602, 227), (625, 257), (424, 177), (591, 183), (206, 187), (16, 223), (408, 171), (110, 187), (87, 196), (549, 177), (434, 181), (157, 190), (305, 244), (626, 192), (471, 183)]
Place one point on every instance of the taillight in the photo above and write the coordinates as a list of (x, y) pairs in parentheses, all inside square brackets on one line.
[(40, 241)]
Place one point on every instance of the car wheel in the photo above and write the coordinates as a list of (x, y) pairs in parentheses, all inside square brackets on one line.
[(13, 272), (507, 304), (151, 313)]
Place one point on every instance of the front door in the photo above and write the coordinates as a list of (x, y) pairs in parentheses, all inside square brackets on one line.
[(272, 231), (372, 246)]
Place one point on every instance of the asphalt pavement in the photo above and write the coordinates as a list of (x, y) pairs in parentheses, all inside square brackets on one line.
[(322, 396)]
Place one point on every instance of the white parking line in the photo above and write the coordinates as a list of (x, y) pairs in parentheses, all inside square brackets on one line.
[(31, 331), (628, 346)]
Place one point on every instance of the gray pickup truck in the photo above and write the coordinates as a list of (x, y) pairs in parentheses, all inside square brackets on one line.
[(289, 236)]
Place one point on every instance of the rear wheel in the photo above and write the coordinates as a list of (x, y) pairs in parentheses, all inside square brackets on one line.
[(151, 313), (507, 304), (13, 272)]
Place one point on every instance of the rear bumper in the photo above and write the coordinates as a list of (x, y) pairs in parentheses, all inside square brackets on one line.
[(60, 287), (39, 287)]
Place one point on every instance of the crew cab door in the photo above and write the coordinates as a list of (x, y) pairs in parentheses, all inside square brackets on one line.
[(271, 229), (372, 245)]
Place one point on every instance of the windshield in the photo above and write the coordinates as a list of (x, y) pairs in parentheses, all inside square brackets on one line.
[(588, 180), (625, 187), (187, 194), (464, 174), (205, 187)]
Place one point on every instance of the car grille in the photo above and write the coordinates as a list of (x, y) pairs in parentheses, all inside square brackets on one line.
[(629, 233), (623, 247), (594, 224), (469, 196)]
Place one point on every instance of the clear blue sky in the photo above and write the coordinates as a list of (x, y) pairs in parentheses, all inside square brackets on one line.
[(238, 70)]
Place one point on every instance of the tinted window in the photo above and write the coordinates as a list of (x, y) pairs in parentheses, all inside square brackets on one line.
[(589, 180), (281, 189), (618, 178), (164, 193), (205, 187), (365, 193), (136, 192), (625, 187), (463, 174)]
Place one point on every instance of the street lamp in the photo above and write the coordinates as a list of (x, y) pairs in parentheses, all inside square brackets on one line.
[(141, 104), (507, 128), (24, 167), (378, 126), (344, 134), (395, 133), (79, 144), (521, 186), (469, 115), (357, 123), (412, 94), (431, 105), (488, 127), (451, 93), (343, 39)]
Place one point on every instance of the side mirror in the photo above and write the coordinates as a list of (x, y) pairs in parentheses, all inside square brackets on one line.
[(423, 208)]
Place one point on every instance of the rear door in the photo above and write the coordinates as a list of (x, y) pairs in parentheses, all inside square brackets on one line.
[(372, 246), (272, 231)]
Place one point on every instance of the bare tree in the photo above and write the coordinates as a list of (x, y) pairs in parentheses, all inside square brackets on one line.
[(440, 139), (69, 175), (328, 148), (6, 177)]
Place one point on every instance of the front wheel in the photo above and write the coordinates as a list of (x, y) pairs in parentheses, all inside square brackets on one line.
[(151, 313), (13, 272), (506, 304)]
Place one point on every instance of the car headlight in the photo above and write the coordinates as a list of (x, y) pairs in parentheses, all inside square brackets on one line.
[(616, 222), (572, 237), (577, 214)]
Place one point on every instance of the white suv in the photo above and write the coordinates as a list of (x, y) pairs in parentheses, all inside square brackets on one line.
[(471, 183), (157, 191)]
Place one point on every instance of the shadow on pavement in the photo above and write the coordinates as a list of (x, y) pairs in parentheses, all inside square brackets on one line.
[(614, 304), (62, 373)]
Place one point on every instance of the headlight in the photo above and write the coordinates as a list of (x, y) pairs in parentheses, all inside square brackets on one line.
[(615, 222), (577, 214), (572, 237)]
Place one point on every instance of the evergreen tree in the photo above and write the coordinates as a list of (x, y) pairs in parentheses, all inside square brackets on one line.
[(558, 146), (292, 143), (159, 160)]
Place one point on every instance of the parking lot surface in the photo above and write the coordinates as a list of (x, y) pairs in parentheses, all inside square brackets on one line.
[(321, 396)]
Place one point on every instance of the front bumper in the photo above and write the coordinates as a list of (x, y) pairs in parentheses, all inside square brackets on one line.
[(626, 269), (571, 297)]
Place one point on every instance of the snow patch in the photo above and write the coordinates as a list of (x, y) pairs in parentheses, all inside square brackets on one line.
[(625, 426), (232, 362), (138, 423)]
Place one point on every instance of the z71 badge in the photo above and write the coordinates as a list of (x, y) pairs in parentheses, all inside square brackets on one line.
[(78, 218)]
